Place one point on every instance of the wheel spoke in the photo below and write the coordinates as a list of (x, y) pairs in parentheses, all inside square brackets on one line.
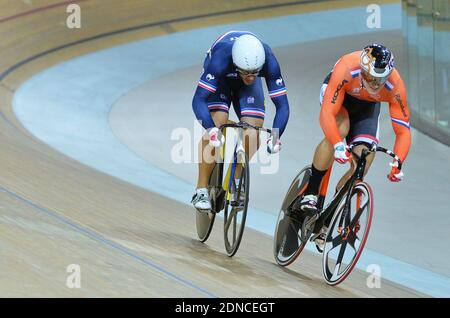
[(357, 215), (341, 253), (336, 241), (231, 218), (234, 227), (342, 217), (228, 220), (351, 239)]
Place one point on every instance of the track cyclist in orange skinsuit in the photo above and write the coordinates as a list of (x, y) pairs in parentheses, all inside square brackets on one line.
[(350, 99)]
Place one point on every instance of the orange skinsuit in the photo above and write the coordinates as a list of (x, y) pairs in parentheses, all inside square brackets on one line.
[(346, 78)]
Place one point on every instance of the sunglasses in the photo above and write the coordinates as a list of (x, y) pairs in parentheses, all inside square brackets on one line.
[(247, 73), (372, 80)]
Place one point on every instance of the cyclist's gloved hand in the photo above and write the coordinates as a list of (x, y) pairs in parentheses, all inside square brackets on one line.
[(395, 175), (341, 153), (273, 144), (216, 138)]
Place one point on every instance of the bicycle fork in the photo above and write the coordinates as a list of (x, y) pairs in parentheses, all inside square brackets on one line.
[(231, 171), (346, 215)]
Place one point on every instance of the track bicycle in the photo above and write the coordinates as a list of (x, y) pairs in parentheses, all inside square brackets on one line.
[(229, 191), (348, 218)]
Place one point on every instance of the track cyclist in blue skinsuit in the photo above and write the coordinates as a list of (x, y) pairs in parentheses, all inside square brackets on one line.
[(232, 73)]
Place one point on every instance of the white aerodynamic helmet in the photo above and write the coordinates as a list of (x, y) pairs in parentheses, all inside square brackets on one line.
[(248, 53)]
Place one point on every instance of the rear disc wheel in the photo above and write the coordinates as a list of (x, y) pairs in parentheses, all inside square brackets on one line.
[(288, 238)]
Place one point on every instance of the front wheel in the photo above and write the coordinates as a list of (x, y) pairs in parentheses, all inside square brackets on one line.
[(288, 238), (347, 234), (236, 204)]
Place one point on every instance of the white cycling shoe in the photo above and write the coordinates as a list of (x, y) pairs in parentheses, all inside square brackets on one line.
[(309, 204), (201, 200)]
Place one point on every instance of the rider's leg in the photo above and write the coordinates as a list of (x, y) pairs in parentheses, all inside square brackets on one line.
[(369, 159), (365, 127), (324, 154), (251, 136), (207, 153), (323, 159)]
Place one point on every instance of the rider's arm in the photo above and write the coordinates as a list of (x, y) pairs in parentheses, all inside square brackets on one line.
[(398, 109), (207, 85), (201, 108), (332, 101), (277, 91)]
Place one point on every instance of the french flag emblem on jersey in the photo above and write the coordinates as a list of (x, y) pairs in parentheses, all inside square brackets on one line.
[(278, 92), (218, 107), (207, 86), (252, 112)]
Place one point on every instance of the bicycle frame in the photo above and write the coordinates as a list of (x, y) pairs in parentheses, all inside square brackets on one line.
[(239, 146), (357, 176), (227, 181)]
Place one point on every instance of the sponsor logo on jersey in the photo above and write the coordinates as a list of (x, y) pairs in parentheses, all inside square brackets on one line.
[(402, 106), (231, 75), (210, 77), (250, 100), (279, 81), (336, 92)]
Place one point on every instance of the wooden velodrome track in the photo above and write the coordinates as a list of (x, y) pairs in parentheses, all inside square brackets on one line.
[(129, 242)]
